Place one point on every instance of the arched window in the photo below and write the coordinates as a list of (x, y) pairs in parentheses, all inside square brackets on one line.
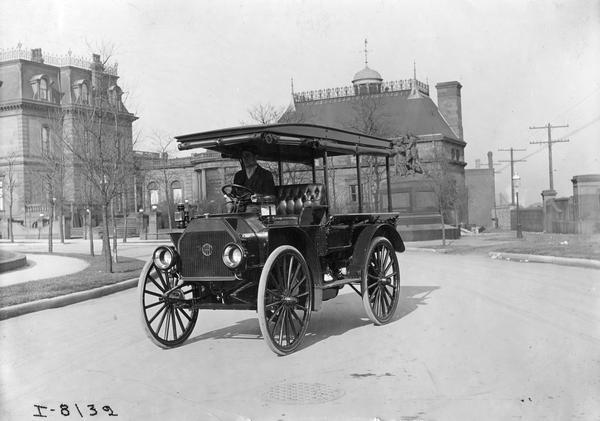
[(85, 96), (43, 89), (81, 91), (153, 193), (39, 85), (176, 192)]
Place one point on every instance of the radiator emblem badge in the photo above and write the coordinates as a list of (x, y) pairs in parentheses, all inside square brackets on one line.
[(207, 249)]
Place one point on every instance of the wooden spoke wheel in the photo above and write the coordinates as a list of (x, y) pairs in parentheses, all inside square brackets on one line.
[(381, 281), (166, 323), (285, 296)]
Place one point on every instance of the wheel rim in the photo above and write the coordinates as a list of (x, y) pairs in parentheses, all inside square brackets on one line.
[(167, 323), (382, 282), (286, 302)]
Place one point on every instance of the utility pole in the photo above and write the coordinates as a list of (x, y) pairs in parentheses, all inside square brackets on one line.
[(512, 170), (550, 141)]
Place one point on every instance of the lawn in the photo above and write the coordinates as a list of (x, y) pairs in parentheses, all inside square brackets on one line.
[(559, 245), (93, 276)]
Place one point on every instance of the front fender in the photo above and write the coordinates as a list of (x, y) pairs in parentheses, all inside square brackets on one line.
[(361, 246)]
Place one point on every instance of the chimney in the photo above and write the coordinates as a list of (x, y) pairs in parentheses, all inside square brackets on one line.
[(449, 104), (36, 55), (490, 160), (97, 68)]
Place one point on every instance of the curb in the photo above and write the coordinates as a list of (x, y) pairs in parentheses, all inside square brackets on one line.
[(565, 261), (15, 261), (65, 300), (429, 250)]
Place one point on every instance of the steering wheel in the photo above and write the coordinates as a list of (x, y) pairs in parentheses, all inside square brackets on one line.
[(237, 192)]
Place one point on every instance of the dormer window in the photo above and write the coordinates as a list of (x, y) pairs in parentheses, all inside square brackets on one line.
[(114, 96), (44, 89), (81, 92), (40, 84)]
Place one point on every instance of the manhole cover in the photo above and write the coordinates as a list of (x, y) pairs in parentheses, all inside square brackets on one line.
[(302, 393)]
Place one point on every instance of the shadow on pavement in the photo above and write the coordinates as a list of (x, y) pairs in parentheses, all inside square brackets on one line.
[(338, 316)]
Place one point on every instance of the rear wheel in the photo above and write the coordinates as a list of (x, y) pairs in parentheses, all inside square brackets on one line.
[(285, 295), (167, 324), (381, 281)]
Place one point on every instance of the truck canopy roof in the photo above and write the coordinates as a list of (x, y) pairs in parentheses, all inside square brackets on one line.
[(287, 142)]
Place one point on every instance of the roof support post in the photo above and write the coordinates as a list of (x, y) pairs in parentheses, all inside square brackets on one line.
[(359, 186), (326, 178), (389, 185), (314, 172)]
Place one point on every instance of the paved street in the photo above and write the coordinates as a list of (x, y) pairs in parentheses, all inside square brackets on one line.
[(475, 338)]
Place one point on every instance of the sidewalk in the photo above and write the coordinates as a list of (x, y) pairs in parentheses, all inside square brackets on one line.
[(492, 243), (41, 266)]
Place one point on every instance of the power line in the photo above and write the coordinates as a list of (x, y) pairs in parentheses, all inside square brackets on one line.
[(578, 102), (549, 142), (577, 130), (512, 170)]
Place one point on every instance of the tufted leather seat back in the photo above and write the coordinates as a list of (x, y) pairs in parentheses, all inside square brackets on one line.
[(292, 198)]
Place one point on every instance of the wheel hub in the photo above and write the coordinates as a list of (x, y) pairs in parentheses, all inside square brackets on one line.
[(289, 300)]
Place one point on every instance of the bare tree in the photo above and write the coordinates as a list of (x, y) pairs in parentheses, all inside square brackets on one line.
[(444, 185), (164, 144), (368, 119), (11, 184), (99, 140), (54, 175), (265, 113)]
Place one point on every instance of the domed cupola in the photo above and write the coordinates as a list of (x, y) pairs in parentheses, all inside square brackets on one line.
[(367, 81), (367, 75)]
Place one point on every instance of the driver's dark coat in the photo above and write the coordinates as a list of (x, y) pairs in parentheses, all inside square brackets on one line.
[(261, 181)]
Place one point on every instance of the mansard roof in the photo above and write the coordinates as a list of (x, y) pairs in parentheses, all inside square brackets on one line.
[(395, 112)]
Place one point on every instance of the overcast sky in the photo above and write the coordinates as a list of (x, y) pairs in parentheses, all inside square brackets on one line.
[(191, 66)]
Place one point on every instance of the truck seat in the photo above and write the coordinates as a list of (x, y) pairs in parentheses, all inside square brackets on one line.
[(291, 199)]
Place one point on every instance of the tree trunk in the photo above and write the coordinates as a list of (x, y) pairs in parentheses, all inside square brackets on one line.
[(125, 215), (443, 228), (91, 233), (11, 234), (106, 239), (61, 224), (169, 210), (114, 239), (50, 225)]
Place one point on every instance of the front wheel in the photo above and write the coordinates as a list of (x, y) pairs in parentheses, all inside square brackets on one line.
[(285, 295), (380, 283), (167, 324)]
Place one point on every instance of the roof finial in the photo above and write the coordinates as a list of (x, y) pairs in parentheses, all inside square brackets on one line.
[(366, 52), (292, 79), (414, 91)]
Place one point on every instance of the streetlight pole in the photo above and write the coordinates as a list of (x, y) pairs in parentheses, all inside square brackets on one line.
[(517, 184)]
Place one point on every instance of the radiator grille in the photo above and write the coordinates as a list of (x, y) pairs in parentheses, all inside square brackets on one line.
[(195, 262)]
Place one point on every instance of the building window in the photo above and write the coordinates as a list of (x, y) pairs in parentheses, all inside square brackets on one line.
[(153, 193), (354, 193), (85, 95), (176, 192), (114, 96), (1, 195), (43, 90), (39, 85), (81, 92), (45, 140)]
